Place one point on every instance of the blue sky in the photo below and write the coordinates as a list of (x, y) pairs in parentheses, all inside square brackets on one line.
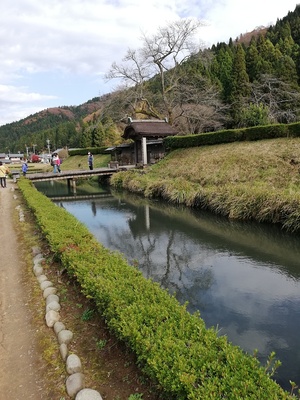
[(57, 52)]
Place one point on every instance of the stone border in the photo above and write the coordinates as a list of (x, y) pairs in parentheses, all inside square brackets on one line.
[(75, 386)]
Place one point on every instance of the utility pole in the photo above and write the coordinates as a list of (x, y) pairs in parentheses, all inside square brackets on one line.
[(48, 146)]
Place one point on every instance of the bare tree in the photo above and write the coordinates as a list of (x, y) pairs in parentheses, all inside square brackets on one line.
[(281, 98), (199, 107), (159, 58)]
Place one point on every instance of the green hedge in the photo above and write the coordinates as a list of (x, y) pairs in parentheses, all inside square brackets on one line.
[(173, 347), (233, 135), (84, 151)]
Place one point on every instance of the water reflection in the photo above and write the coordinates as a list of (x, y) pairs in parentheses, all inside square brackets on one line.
[(243, 277)]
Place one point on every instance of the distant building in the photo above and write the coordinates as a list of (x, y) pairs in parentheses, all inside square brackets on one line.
[(147, 146), (15, 158)]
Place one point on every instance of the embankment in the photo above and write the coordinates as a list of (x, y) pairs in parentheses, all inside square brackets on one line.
[(258, 180)]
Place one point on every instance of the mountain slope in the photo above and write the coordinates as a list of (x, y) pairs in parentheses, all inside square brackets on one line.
[(44, 120)]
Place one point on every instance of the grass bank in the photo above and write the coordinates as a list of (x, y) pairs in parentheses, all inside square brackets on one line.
[(242, 180), (80, 162)]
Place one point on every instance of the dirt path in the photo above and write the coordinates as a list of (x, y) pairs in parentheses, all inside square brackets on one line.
[(19, 358)]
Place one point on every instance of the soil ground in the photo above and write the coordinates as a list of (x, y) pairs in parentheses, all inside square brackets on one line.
[(20, 366), (31, 366)]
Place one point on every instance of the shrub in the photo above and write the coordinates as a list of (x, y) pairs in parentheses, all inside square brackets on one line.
[(229, 136)]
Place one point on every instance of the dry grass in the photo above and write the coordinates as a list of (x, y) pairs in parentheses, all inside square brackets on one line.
[(266, 163), (243, 180)]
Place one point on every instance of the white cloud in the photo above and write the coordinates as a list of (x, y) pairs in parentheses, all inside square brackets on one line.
[(79, 39), (19, 102), (229, 19)]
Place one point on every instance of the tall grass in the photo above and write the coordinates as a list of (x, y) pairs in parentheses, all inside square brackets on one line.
[(249, 180)]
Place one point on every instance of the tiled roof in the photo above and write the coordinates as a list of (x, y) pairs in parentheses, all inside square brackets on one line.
[(148, 128)]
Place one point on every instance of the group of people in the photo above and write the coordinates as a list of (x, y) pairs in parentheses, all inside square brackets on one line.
[(55, 162), (4, 171)]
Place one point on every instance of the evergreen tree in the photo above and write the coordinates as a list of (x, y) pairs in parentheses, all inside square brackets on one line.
[(86, 137), (252, 61), (286, 70), (222, 69), (98, 135), (241, 90)]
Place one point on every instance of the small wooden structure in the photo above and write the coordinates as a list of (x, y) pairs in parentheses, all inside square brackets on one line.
[(147, 136)]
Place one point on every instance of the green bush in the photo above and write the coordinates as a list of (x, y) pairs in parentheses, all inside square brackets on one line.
[(173, 347), (231, 135), (84, 151), (294, 129)]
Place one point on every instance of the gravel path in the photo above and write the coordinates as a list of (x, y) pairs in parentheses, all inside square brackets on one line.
[(19, 359)]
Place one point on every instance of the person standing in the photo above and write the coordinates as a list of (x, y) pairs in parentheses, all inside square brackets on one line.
[(58, 163), (24, 168), (90, 161), (3, 172), (54, 162)]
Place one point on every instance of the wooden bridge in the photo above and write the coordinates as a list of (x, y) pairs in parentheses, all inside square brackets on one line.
[(72, 176)]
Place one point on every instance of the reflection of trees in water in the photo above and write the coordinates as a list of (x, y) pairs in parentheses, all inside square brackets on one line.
[(168, 259), (191, 281), (265, 243), (201, 282), (146, 248)]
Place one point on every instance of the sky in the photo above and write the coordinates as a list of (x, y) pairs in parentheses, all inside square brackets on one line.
[(57, 52)]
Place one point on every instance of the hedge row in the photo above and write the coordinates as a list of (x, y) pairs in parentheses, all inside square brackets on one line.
[(233, 135), (84, 151), (173, 347)]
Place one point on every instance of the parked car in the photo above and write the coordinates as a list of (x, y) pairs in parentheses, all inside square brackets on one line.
[(35, 158)]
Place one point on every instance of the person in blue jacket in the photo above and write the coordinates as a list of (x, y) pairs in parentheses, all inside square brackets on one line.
[(24, 168)]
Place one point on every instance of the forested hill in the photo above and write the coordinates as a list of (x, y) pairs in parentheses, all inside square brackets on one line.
[(252, 80), (15, 136)]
